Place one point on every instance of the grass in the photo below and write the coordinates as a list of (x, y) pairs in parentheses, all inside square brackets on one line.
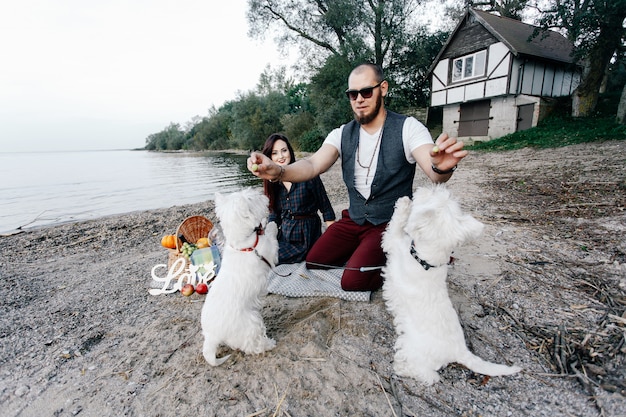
[(557, 132)]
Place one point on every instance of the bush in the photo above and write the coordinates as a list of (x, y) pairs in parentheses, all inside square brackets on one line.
[(311, 140)]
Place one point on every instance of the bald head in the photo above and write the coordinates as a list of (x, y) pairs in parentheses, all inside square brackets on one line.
[(374, 69)]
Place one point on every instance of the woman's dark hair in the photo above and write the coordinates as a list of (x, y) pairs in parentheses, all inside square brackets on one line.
[(271, 188)]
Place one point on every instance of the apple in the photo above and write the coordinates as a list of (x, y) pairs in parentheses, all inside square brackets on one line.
[(202, 288), (187, 290), (255, 167)]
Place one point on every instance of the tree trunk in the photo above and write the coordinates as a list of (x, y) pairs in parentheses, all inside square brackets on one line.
[(585, 98), (621, 108)]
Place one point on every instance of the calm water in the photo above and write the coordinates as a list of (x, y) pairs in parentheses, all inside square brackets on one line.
[(46, 188)]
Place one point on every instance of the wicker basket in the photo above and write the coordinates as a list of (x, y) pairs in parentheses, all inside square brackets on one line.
[(192, 229)]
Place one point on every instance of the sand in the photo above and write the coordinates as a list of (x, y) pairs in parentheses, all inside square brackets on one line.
[(543, 288)]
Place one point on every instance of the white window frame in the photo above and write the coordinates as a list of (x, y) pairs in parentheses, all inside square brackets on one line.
[(467, 66)]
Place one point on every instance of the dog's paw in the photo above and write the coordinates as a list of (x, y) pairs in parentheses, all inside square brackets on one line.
[(424, 376), (403, 203), (260, 345), (269, 344), (429, 378), (271, 229), (402, 210)]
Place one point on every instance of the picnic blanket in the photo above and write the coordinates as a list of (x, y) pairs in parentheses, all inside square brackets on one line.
[(302, 282)]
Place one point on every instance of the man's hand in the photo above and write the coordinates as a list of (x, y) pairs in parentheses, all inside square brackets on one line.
[(447, 152)]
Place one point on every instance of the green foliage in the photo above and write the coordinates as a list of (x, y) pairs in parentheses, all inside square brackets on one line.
[(557, 132), (408, 72), (596, 28), (256, 117), (171, 138), (212, 132), (328, 96), (296, 125), (311, 141)]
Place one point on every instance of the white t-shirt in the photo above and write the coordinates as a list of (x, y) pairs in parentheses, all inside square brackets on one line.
[(414, 134)]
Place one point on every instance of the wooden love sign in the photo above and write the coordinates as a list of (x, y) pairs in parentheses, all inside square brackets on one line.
[(191, 276)]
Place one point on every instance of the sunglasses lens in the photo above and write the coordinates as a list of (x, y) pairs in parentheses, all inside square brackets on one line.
[(367, 92), (352, 94)]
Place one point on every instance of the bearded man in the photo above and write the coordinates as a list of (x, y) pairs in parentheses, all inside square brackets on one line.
[(379, 151)]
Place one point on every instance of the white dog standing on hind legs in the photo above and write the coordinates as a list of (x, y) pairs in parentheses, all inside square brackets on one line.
[(418, 242), (231, 314)]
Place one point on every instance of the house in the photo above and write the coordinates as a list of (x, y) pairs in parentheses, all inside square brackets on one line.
[(493, 77)]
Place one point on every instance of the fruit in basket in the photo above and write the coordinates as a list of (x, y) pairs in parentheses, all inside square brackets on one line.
[(169, 241), (187, 249), (187, 290), (203, 242), (202, 288)]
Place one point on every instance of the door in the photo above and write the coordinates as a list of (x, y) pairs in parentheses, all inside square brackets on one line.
[(525, 116), (474, 118)]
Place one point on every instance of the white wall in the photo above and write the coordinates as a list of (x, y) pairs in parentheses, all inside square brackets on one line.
[(503, 114)]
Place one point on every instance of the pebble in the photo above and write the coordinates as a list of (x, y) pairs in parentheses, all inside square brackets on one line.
[(21, 391)]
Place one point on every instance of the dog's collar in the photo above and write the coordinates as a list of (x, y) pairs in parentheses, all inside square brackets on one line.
[(259, 231), (422, 262)]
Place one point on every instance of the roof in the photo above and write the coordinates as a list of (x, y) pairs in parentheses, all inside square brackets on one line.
[(515, 35)]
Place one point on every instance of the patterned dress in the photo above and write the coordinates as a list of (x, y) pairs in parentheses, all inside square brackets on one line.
[(298, 220)]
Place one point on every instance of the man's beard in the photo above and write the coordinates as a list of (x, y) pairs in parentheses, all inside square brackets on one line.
[(363, 120)]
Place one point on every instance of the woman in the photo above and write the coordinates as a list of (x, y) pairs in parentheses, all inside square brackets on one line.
[(294, 206)]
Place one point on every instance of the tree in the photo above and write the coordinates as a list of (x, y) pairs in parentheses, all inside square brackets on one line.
[(512, 9), (255, 117), (410, 85), (355, 29), (273, 80), (171, 138), (621, 108), (213, 131), (597, 29), (328, 97)]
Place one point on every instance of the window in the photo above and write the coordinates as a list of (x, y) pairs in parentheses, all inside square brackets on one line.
[(469, 66)]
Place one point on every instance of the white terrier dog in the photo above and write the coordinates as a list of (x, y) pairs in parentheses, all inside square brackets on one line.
[(418, 242), (231, 314)]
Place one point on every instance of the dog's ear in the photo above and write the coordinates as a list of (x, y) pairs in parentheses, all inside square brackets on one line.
[(251, 207), (471, 227)]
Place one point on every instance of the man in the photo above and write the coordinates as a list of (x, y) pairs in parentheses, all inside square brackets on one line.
[(378, 151)]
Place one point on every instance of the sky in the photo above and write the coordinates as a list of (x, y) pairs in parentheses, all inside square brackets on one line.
[(93, 74)]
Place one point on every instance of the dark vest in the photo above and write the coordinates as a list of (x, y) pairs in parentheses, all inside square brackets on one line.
[(393, 178)]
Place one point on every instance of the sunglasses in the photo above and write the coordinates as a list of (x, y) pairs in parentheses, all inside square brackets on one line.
[(364, 92)]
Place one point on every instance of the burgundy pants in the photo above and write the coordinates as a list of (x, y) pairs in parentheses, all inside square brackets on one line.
[(345, 243)]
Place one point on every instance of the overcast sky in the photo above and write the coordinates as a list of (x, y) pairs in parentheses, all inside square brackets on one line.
[(104, 74)]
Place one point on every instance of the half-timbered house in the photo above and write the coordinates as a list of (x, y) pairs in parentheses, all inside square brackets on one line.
[(496, 76)]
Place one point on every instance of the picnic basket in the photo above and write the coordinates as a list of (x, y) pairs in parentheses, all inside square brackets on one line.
[(191, 229)]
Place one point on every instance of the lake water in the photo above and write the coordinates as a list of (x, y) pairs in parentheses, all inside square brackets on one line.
[(47, 188)]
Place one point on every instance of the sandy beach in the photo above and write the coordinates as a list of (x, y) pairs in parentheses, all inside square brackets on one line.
[(543, 288)]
